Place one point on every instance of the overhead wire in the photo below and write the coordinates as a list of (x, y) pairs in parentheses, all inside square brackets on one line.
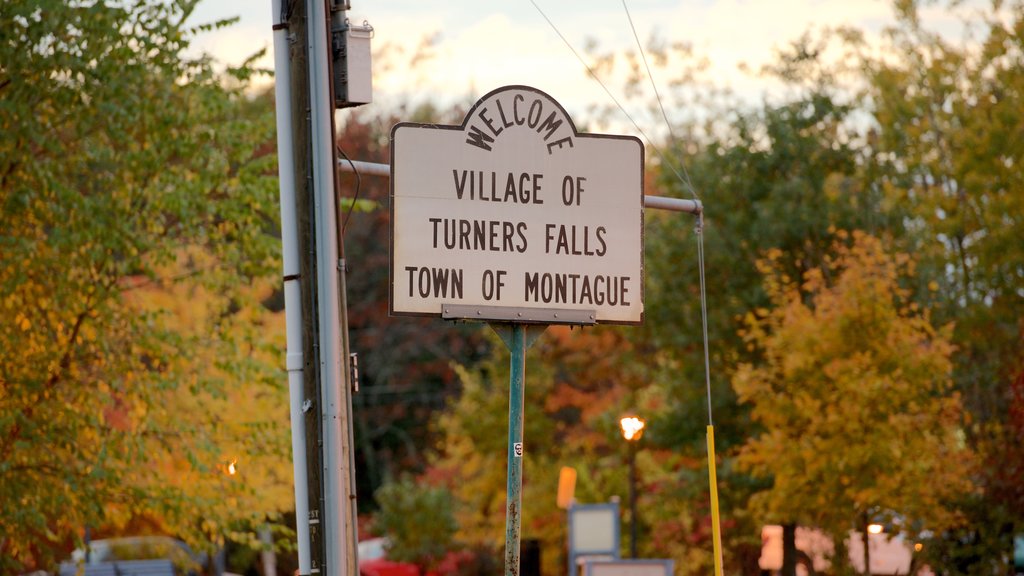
[(355, 195), (654, 85), (597, 79), (699, 231)]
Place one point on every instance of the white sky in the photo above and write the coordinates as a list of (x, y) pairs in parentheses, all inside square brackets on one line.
[(482, 44)]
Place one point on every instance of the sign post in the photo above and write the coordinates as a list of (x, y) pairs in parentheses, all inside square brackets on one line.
[(514, 484), (516, 219)]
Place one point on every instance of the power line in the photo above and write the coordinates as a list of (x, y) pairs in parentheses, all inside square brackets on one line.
[(593, 75), (687, 182)]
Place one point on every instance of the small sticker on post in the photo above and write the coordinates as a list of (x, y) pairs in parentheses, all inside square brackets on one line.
[(517, 449)]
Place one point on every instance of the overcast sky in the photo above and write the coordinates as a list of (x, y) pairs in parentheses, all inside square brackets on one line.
[(481, 45)]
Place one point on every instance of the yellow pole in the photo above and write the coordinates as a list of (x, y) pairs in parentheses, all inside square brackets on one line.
[(716, 528)]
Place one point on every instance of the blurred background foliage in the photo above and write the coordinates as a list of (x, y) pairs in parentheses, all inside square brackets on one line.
[(865, 265)]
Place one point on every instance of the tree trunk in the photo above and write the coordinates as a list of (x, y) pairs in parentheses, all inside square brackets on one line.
[(867, 549), (841, 556), (789, 549)]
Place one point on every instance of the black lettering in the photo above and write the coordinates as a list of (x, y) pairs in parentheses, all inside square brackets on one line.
[(464, 230), (515, 109), (424, 282), (507, 230), (550, 125), (600, 240), (563, 242), (524, 193), (435, 222), (532, 118), (440, 281), (457, 283), (510, 188), (493, 236), (479, 138), (411, 270), (560, 143), (586, 295), (460, 184), (521, 231), (449, 234), (501, 112), (479, 235), (532, 287), (561, 288), (489, 122)]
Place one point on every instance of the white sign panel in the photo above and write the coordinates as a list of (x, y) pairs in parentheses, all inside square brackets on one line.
[(515, 213)]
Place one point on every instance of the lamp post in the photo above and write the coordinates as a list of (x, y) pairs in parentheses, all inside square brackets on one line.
[(632, 429)]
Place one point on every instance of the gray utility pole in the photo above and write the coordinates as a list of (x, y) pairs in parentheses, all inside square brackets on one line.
[(324, 404)]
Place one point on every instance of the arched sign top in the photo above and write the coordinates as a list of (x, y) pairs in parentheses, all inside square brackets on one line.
[(512, 108), (515, 216)]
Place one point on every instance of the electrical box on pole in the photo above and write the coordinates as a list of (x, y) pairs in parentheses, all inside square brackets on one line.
[(353, 80)]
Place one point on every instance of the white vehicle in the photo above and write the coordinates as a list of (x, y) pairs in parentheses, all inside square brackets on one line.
[(136, 555)]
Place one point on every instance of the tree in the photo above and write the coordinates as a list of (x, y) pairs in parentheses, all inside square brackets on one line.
[(950, 117), (405, 363), (418, 521), (136, 246), (854, 395)]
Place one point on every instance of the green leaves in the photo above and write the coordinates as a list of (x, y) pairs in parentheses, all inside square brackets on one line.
[(418, 520), (136, 235)]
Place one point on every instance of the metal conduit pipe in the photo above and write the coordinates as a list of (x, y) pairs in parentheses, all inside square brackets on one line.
[(292, 295), (657, 202)]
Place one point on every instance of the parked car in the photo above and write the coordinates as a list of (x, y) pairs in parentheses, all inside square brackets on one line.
[(373, 560), (150, 555)]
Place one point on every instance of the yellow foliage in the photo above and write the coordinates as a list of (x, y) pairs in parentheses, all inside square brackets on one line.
[(854, 396)]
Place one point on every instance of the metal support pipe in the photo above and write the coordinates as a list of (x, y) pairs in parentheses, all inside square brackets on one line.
[(673, 204), (658, 202), (365, 168), (292, 295), (339, 538), (514, 500)]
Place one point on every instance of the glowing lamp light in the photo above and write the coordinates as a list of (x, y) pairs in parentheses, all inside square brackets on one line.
[(231, 468), (875, 528), (632, 427), (918, 547)]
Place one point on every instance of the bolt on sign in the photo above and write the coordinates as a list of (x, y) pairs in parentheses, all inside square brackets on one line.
[(516, 216)]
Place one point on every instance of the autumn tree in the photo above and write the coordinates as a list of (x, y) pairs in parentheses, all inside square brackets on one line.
[(950, 115), (136, 247), (854, 397), (406, 373)]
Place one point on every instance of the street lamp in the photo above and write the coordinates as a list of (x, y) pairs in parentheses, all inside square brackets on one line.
[(632, 429)]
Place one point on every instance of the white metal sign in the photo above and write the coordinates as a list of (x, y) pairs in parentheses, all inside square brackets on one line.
[(514, 215)]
